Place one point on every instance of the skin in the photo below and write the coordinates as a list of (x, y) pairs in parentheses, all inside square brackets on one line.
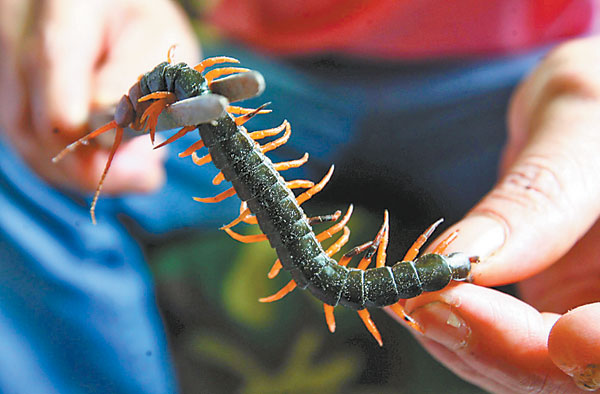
[(65, 60), (538, 227)]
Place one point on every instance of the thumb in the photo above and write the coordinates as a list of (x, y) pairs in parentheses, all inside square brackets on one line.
[(549, 196), (574, 345)]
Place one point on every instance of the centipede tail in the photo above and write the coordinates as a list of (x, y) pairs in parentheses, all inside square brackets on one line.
[(268, 200)]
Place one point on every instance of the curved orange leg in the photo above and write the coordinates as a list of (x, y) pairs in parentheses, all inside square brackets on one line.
[(329, 317), (219, 72), (183, 131), (234, 109), (286, 165), (398, 309), (200, 161), (257, 135), (240, 120), (218, 198), (366, 260), (316, 188), (192, 148), (336, 227), (211, 61), (337, 245), (381, 251), (366, 318), (281, 293), (414, 249), (246, 238), (445, 242), (218, 178), (300, 184), (278, 142)]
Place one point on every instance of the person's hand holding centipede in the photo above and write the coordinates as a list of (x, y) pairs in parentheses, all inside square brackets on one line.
[(64, 59), (538, 227)]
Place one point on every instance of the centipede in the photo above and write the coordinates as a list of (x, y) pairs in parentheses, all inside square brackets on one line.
[(268, 200)]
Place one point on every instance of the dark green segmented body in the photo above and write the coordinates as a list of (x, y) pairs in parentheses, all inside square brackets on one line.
[(285, 224)]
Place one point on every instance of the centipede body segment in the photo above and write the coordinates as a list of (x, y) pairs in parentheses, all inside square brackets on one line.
[(268, 200)]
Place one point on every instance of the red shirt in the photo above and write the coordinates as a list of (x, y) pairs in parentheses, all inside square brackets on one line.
[(403, 28)]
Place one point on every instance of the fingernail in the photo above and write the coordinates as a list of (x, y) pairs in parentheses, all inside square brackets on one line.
[(479, 235), (586, 378), (442, 324)]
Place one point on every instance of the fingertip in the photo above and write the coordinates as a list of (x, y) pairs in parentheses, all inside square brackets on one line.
[(574, 345)]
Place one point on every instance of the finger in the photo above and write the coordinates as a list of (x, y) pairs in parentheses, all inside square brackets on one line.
[(549, 197), (140, 44), (572, 281), (471, 328), (574, 345), (68, 52)]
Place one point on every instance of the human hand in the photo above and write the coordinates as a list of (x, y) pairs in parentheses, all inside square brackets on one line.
[(539, 227), (80, 57)]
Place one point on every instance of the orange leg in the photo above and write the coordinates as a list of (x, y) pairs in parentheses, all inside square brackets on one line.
[(336, 227), (299, 184), (250, 219), (176, 136), (200, 161), (246, 238), (366, 260), (157, 96), (170, 53), (153, 111), (239, 219), (278, 142), (219, 72), (286, 165), (240, 120), (324, 218), (354, 252), (192, 148), (444, 244), (84, 140), (111, 155), (381, 252), (398, 309), (211, 61), (257, 135), (414, 249), (316, 188), (366, 318), (337, 245), (329, 317), (281, 293), (275, 269), (233, 109), (218, 178), (218, 198)]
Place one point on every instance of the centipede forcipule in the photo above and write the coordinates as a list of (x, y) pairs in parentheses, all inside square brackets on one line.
[(268, 200)]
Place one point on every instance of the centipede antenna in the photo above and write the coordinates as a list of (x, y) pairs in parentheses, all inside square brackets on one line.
[(84, 140), (111, 155)]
